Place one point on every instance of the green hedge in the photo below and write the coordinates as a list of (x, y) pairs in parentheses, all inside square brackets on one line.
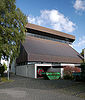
[(2, 69)]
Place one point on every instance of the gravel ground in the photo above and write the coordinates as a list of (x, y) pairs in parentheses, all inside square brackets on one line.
[(35, 89)]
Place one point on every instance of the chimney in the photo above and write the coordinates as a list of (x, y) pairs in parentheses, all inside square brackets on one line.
[(84, 54)]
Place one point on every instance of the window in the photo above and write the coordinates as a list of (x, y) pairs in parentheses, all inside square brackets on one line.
[(47, 38)]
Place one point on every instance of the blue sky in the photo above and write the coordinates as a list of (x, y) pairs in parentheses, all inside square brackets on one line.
[(64, 15)]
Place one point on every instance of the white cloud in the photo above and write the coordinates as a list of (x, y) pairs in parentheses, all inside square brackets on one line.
[(80, 44), (54, 19), (79, 5)]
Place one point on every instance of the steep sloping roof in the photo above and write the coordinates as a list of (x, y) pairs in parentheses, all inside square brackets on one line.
[(44, 50), (49, 32)]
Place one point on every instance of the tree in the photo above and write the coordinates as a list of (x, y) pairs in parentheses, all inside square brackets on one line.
[(83, 67), (82, 53), (12, 29)]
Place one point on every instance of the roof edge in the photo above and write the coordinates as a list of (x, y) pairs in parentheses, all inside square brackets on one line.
[(48, 30)]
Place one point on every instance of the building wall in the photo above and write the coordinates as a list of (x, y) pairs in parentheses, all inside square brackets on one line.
[(31, 71), (21, 70), (26, 71)]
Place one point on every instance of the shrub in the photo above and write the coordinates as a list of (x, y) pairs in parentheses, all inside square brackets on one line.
[(2, 69), (83, 71), (67, 77), (69, 70), (5, 66), (83, 67)]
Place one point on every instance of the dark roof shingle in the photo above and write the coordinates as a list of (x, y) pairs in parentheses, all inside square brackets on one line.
[(48, 51)]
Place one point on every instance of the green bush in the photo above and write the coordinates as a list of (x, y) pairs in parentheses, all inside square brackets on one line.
[(83, 67), (2, 69), (83, 71), (68, 77), (5, 66)]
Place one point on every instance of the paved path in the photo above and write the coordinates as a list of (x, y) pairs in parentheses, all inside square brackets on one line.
[(31, 89)]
